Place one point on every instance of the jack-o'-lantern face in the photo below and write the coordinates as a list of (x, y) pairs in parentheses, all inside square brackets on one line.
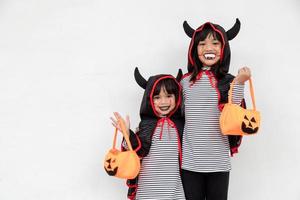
[(110, 165), (249, 125)]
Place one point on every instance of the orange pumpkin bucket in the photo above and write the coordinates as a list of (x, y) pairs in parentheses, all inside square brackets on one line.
[(122, 164), (235, 120)]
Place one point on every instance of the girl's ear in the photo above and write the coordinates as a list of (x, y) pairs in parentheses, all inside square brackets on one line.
[(179, 75), (234, 30), (188, 30), (139, 79)]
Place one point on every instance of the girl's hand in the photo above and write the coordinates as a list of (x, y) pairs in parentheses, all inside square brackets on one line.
[(116, 122), (244, 75)]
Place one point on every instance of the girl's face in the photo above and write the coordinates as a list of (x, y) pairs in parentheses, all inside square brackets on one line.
[(164, 103), (209, 51)]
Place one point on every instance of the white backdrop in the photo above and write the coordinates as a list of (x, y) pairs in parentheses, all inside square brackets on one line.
[(66, 65)]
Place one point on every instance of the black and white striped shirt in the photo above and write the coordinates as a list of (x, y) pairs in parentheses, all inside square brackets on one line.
[(159, 177), (204, 148)]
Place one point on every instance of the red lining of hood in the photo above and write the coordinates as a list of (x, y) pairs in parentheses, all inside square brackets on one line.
[(152, 90), (192, 42)]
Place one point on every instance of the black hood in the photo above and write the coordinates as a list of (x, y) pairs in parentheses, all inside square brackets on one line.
[(147, 108), (225, 35)]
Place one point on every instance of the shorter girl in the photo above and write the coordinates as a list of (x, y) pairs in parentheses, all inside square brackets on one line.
[(158, 140)]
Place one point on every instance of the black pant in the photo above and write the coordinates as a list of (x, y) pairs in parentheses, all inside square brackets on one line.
[(205, 186)]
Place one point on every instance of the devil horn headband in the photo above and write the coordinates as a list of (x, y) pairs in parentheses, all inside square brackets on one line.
[(139, 78), (230, 33), (187, 29), (234, 30), (179, 75)]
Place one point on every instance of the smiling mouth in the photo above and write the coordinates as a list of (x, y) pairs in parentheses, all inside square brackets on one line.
[(164, 108), (209, 56)]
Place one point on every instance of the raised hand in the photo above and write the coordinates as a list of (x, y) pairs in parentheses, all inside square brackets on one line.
[(116, 122), (244, 74)]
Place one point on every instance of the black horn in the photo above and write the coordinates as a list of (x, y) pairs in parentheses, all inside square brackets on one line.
[(234, 30), (139, 79), (188, 30), (179, 75)]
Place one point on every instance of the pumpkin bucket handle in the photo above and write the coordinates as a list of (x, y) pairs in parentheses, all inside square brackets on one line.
[(251, 93), (124, 133)]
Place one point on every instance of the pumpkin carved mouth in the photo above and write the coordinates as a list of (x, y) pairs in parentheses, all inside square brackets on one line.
[(113, 172)]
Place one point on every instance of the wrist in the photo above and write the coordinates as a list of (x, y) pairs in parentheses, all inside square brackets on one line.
[(239, 81)]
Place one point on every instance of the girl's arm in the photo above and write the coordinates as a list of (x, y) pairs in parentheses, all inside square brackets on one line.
[(134, 140), (133, 137), (237, 93), (244, 74), (141, 140), (144, 134), (182, 105)]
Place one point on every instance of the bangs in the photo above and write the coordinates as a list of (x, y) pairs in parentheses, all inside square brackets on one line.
[(207, 30), (169, 86)]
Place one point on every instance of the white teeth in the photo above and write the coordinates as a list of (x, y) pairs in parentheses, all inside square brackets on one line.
[(164, 108), (209, 56)]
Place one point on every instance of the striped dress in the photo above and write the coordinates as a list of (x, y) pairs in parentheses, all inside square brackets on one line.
[(159, 178), (204, 148)]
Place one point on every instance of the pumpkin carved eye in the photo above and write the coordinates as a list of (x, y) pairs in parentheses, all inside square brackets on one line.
[(108, 162), (249, 126)]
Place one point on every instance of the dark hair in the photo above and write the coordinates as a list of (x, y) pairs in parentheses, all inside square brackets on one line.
[(201, 36), (170, 85)]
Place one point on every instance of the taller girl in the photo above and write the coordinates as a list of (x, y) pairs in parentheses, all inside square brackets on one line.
[(206, 152)]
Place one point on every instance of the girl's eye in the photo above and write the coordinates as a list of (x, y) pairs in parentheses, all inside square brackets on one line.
[(201, 44), (156, 97), (169, 95)]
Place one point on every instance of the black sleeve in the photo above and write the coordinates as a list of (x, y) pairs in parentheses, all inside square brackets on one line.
[(236, 140), (146, 128), (182, 106), (141, 140), (134, 140), (224, 86)]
